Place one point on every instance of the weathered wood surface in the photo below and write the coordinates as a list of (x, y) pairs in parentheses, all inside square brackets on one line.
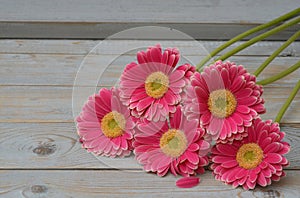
[(139, 11), (83, 47), (99, 19), (54, 103), (38, 141), (39, 69), (56, 183), (56, 146)]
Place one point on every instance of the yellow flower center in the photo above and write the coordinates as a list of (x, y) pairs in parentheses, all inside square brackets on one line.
[(221, 103), (173, 143), (157, 84), (249, 155), (113, 124)]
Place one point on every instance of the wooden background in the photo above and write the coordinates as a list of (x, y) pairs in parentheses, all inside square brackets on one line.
[(40, 155)]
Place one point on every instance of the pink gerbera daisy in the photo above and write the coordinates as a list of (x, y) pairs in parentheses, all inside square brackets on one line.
[(179, 148), (257, 159), (105, 126), (226, 99), (153, 88)]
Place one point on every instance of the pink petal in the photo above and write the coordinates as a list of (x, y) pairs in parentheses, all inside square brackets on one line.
[(273, 158), (242, 173), (169, 97), (248, 101), (194, 147), (225, 77), (187, 182), (226, 149), (275, 178), (215, 126), (265, 143), (272, 148), (266, 172), (163, 171), (155, 54), (231, 176), (286, 148), (263, 165), (192, 157), (141, 57), (144, 103), (230, 122), (124, 144), (229, 164), (171, 60), (237, 118), (261, 180), (252, 176), (204, 145), (244, 93), (237, 84), (165, 57), (201, 92), (250, 185), (243, 109), (206, 118), (175, 121), (242, 181), (221, 159)]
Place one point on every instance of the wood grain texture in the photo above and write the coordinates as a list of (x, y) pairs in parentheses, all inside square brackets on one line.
[(129, 184), (40, 155), (56, 146), (50, 145), (109, 47), (144, 11), (99, 19), (54, 104), (60, 69)]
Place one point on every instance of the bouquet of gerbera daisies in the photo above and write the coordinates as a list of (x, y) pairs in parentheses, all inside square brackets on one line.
[(180, 118)]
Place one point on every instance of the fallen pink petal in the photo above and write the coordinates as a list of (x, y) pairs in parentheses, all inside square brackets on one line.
[(187, 182)]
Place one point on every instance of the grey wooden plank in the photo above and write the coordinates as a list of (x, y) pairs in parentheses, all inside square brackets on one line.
[(255, 11), (50, 145), (99, 19), (54, 104), (129, 184), (110, 47), (56, 146), (61, 70)]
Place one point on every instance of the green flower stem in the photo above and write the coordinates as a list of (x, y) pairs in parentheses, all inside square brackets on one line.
[(275, 54), (259, 38), (287, 103), (280, 75), (247, 33)]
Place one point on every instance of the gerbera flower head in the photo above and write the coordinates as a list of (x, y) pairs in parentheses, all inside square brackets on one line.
[(257, 159), (178, 148), (153, 87), (105, 126), (225, 98)]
